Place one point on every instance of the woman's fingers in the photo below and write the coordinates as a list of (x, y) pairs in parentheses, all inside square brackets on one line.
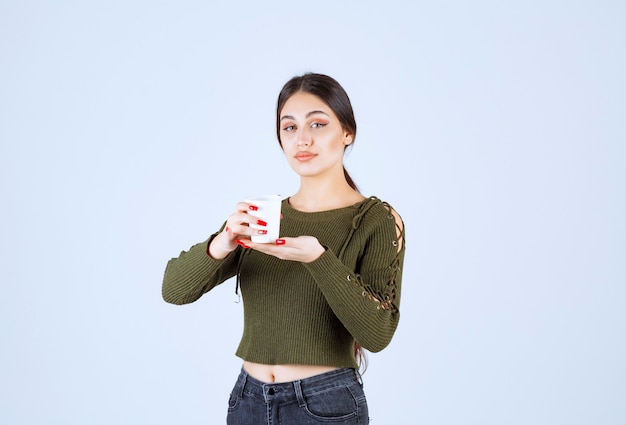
[(241, 224), (246, 206), (238, 228), (302, 248)]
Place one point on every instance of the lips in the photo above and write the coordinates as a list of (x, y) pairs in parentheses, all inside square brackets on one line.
[(305, 156)]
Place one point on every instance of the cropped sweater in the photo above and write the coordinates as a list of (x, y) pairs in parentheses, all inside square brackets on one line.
[(309, 313)]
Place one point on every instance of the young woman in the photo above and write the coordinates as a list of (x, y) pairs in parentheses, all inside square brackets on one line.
[(319, 295)]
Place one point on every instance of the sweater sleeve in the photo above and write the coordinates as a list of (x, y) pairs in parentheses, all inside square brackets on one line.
[(194, 272), (366, 300)]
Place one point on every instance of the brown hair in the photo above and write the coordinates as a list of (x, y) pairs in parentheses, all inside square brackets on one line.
[(331, 93)]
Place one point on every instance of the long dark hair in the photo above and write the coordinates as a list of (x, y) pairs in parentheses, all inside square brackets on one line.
[(331, 93)]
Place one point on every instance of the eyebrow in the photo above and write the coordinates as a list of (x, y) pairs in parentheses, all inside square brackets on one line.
[(290, 117)]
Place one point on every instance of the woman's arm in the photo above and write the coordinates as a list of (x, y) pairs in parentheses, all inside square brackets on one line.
[(367, 302), (195, 272), (207, 264)]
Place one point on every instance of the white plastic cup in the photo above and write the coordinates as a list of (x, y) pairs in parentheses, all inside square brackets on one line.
[(268, 211)]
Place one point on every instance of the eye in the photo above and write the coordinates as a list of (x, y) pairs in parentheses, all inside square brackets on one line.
[(289, 128), (317, 125)]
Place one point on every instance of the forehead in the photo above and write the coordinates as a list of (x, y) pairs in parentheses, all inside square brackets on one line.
[(301, 103)]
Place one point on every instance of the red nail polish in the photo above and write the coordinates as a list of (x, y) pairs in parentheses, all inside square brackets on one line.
[(254, 208), (280, 241), (226, 229), (262, 232), (240, 243), (261, 223)]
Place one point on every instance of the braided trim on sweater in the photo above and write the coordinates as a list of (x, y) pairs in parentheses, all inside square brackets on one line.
[(384, 299)]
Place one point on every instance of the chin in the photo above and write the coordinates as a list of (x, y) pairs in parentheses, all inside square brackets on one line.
[(304, 170), (304, 173)]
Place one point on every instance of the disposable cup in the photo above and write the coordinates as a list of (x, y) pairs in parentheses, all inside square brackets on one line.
[(269, 212)]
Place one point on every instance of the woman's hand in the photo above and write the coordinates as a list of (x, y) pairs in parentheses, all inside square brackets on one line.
[(302, 248), (237, 228)]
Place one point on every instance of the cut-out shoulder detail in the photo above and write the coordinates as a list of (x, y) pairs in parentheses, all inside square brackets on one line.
[(399, 225)]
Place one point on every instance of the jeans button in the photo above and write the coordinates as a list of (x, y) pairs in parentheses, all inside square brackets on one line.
[(271, 391)]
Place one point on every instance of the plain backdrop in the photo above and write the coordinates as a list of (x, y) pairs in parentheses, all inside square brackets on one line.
[(130, 129)]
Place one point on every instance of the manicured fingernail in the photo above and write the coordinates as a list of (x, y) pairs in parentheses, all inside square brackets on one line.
[(226, 229), (280, 241), (261, 223), (254, 208), (262, 232), (240, 243)]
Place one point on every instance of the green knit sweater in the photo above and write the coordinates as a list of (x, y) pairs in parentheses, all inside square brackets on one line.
[(309, 313)]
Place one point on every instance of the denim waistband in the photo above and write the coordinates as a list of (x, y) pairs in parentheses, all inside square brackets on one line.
[(284, 391)]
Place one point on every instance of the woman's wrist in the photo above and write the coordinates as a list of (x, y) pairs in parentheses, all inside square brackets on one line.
[(219, 248), (318, 253)]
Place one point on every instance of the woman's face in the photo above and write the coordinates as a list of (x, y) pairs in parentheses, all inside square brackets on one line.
[(312, 136)]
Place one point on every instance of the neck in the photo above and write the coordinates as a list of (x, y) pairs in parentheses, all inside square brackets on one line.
[(320, 194)]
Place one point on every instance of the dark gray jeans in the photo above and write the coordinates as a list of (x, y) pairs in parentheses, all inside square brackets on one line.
[(330, 398)]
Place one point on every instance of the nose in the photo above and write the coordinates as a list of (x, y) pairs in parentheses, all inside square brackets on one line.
[(304, 139)]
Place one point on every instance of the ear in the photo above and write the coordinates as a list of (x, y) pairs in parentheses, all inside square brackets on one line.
[(348, 138)]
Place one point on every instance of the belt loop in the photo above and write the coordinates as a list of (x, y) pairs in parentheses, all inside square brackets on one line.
[(297, 386), (243, 377)]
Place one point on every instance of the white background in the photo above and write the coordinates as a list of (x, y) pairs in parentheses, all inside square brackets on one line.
[(130, 129)]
